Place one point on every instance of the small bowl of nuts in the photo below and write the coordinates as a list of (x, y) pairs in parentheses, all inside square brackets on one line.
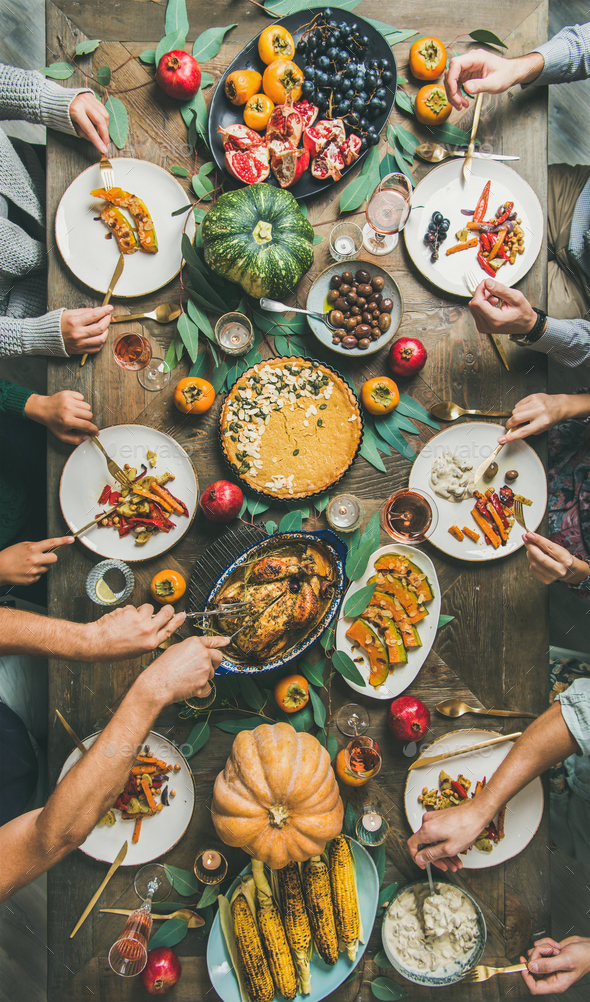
[(365, 304)]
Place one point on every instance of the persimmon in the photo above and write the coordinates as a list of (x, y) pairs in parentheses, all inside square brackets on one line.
[(167, 587), (432, 106), (282, 78), (380, 395), (241, 85), (292, 693), (193, 395), (275, 42), (258, 111), (428, 58)]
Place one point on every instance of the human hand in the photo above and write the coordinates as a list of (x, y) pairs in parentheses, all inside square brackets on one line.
[(535, 414), (24, 563), (560, 964), (85, 331), (129, 632), (453, 829), (550, 562), (66, 414), (479, 70), (91, 120), (185, 669), (497, 309)]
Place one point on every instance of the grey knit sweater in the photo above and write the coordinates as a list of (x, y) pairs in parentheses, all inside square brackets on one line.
[(23, 283)]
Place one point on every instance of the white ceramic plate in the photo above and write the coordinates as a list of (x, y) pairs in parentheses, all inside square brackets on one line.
[(158, 834), (476, 441), (523, 813), (324, 979), (85, 475), (81, 238), (443, 189), (403, 675)]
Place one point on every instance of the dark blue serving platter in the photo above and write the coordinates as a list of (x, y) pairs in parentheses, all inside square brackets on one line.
[(337, 550)]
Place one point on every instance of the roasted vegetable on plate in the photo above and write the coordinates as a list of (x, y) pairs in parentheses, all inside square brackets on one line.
[(450, 793), (143, 508)]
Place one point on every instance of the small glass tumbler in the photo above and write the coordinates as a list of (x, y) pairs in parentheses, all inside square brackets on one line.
[(100, 592), (372, 828), (210, 867), (346, 240), (345, 513), (234, 334)]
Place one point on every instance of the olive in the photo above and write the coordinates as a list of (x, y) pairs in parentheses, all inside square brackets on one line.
[(336, 318), (345, 288), (362, 276), (364, 290), (355, 311), (386, 305), (333, 295), (361, 301), (363, 330), (377, 283), (375, 298), (348, 277), (347, 314), (511, 475), (367, 317), (376, 313), (375, 325), (335, 281), (491, 472), (349, 341), (350, 324), (364, 343), (340, 304), (339, 333), (336, 340), (375, 334), (384, 322), (351, 298)]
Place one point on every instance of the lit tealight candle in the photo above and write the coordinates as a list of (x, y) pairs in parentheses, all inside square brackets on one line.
[(344, 245), (372, 822), (344, 512), (211, 860), (234, 333)]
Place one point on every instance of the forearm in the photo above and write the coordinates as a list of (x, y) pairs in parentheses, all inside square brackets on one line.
[(527, 68), (32, 335), (27, 633), (26, 95)]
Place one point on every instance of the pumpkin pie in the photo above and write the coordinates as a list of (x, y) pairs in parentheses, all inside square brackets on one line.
[(290, 427)]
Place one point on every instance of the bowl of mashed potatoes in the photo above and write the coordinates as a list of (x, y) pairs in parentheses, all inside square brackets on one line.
[(433, 939)]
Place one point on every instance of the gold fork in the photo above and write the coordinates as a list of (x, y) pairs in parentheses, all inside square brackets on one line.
[(115, 471), (519, 514), (107, 175), (483, 973)]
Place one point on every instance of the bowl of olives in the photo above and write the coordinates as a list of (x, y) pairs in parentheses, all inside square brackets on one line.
[(365, 306)]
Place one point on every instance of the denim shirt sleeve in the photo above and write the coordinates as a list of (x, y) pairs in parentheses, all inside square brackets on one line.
[(575, 709)]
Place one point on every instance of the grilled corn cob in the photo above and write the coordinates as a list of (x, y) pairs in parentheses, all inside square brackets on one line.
[(344, 894), (272, 934), (296, 921), (316, 885), (257, 978)]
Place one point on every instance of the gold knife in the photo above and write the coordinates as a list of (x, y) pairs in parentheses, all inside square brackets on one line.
[(115, 866), (469, 157), (462, 751), (116, 276), (72, 734), (487, 462), (500, 349)]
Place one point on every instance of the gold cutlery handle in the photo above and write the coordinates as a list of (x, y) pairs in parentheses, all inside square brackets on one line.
[(96, 442), (490, 413), (130, 317), (506, 713)]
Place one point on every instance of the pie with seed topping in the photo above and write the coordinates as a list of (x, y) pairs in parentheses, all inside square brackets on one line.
[(290, 427)]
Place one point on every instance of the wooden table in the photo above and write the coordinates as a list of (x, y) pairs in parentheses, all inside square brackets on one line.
[(495, 650)]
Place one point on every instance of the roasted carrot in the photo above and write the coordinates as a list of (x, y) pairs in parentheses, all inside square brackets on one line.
[(497, 520), (140, 770), (472, 535), (463, 246), (151, 497), (167, 499), (137, 829), (149, 795), (456, 532), (497, 244), (152, 761), (487, 529)]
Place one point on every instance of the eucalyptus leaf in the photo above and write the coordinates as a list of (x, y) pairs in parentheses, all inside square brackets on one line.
[(209, 896), (327, 637), (354, 194), (176, 17), (219, 375), (372, 532), (387, 990), (281, 8), (178, 170), (379, 861), (291, 522), (382, 960), (448, 133), (318, 239), (206, 80), (182, 881), (412, 408), (321, 503), (319, 710), (350, 820), (200, 365), (199, 318), (358, 602), (198, 214), (301, 721), (172, 40), (58, 71), (256, 507), (346, 667), (358, 560), (244, 509), (85, 48), (405, 138), (303, 209), (486, 37), (207, 168), (251, 693), (271, 527), (400, 36), (103, 75), (188, 252), (443, 620), (171, 359), (169, 933), (314, 673), (387, 165), (332, 743), (394, 437), (208, 44), (403, 423), (402, 165), (148, 56), (368, 449), (209, 916), (118, 121), (404, 101), (386, 894), (202, 186), (197, 738), (235, 726), (189, 333)]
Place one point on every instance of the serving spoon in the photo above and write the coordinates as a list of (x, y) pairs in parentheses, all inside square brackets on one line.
[(434, 153), (448, 410), (273, 307), (457, 708)]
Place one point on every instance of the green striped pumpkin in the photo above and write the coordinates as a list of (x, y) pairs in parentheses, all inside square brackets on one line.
[(258, 237)]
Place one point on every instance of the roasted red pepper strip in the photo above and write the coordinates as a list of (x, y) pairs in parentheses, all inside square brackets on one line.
[(508, 207), (484, 264), (482, 206), (140, 475), (459, 790), (502, 253), (104, 497), (497, 244), (495, 500), (115, 497)]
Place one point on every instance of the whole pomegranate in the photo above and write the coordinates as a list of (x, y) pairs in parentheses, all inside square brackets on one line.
[(221, 501), (179, 75), (162, 970), (407, 356), (408, 718)]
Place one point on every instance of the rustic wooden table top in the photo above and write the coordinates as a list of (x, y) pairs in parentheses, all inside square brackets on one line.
[(494, 652)]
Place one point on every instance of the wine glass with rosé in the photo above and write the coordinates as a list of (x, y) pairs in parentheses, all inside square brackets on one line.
[(388, 211), (409, 516), (128, 956), (134, 352)]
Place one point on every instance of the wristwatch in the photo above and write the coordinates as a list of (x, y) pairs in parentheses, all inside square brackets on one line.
[(537, 331)]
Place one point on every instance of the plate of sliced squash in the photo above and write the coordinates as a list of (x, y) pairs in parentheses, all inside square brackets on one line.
[(390, 638), (91, 230)]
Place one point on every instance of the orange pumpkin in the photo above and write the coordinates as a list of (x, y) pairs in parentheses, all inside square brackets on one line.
[(277, 797)]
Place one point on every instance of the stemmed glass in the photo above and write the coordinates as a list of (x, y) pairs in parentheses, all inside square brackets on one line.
[(409, 516), (133, 351), (388, 211), (128, 956), (352, 719)]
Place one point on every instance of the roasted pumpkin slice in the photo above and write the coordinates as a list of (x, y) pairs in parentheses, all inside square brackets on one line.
[(117, 223), (414, 610), (138, 209), (412, 576), (409, 632), (390, 633), (365, 636), (392, 606)]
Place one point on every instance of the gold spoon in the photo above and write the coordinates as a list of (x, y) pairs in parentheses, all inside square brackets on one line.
[(163, 313), (434, 153), (192, 920), (447, 410), (456, 708)]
